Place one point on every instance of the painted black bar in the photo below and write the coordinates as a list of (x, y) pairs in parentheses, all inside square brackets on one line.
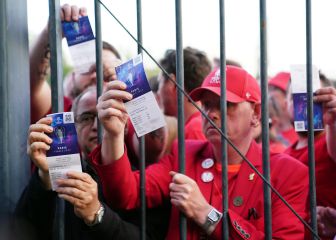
[(180, 104), (311, 152), (55, 38), (142, 164), (264, 120), (224, 160), (99, 61)]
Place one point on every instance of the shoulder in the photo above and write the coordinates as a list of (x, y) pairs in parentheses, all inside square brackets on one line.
[(284, 166), (285, 160)]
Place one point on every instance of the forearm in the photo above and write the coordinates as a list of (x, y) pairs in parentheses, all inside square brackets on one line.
[(113, 227), (112, 148), (331, 140), (39, 58), (36, 208), (39, 70)]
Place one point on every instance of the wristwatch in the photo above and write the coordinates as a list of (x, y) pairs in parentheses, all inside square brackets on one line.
[(98, 216), (214, 216)]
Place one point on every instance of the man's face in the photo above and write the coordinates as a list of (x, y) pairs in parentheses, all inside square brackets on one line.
[(167, 95), (281, 101), (290, 107), (86, 122), (240, 118), (83, 81)]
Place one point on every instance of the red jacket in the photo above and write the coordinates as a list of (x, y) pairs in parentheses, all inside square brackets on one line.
[(120, 186), (325, 170)]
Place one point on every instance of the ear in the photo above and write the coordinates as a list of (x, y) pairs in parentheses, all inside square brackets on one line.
[(256, 115), (173, 77)]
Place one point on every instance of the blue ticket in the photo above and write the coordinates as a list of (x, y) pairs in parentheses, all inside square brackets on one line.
[(145, 113), (299, 93), (64, 135), (133, 74), (63, 155), (300, 113), (78, 32)]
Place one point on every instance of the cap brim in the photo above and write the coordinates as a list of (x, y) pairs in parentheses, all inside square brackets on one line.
[(196, 94)]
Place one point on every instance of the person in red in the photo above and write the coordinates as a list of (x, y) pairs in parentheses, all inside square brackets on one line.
[(196, 67), (278, 88), (198, 193), (75, 83), (324, 146)]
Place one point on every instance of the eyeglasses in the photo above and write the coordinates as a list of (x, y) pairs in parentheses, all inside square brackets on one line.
[(86, 118)]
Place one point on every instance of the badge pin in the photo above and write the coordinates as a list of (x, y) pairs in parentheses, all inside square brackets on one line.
[(207, 163), (238, 201), (207, 177), (251, 176)]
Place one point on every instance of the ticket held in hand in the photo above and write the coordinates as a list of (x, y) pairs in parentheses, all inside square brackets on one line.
[(64, 153)]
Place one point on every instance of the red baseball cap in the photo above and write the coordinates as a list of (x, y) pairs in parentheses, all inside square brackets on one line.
[(280, 80), (240, 86)]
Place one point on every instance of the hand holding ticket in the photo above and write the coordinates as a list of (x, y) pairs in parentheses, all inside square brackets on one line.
[(299, 92), (63, 155)]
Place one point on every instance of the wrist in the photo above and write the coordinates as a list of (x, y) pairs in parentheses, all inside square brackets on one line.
[(96, 217), (212, 219), (45, 178), (112, 147)]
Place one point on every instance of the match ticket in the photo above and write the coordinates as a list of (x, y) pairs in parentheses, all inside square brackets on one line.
[(81, 42), (299, 92), (145, 113), (64, 153)]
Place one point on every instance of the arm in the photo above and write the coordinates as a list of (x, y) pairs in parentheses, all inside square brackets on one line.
[(113, 116), (36, 206), (327, 96), (39, 65), (121, 186), (36, 209), (113, 227), (39, 69)]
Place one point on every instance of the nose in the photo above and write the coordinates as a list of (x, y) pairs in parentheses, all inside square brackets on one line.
[(93, 78), (95, 124), (212, 113)]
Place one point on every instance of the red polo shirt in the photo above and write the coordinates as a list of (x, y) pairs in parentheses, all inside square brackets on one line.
[(193, 127)]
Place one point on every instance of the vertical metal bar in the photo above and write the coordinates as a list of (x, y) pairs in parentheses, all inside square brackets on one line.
[(14, 105), (311, 152), (180, 104), (55, 38), (99, 61), (264, 120), (224, 160), (142, 164)]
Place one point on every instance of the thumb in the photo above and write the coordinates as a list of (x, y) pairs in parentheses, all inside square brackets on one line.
[(178, 178)]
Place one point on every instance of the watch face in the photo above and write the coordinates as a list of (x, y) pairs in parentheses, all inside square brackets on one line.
[(100, 214), (213, 215)]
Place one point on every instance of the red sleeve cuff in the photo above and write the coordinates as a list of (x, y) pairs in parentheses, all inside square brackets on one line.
[(113, 172)]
